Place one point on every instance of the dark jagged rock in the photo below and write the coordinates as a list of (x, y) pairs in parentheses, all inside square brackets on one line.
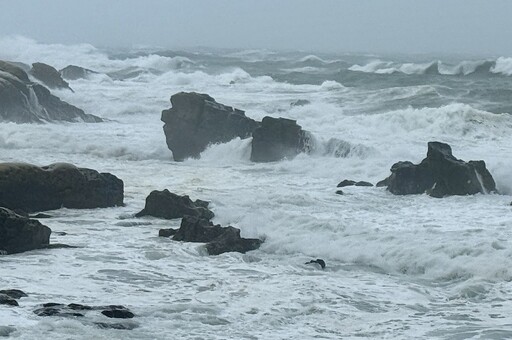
[(73, 72), (230, 241), (345, 183), (19, 234), (14, 293), (22, 101), (363, 184), (49, 76), (197, 120), (33, 188), (440, 174), (276, 139), (320, 262), (195, 229), (7, 300), (218, 239), (383, 183), (167, 205), (167, 232)]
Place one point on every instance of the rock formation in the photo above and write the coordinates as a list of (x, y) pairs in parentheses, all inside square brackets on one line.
[(22, 101), (197, 120), (19, 234), (32, 188), (72, 72), (218, 239), (167, 205), (277, 138), (440, 174), (49, 76)]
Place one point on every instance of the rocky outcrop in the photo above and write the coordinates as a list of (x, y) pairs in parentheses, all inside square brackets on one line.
[(32, 188), (73, 72), (196, 120), (440, 174), (22, 101), (19, 234), (276, 139), (218, 239), (49, 76), (168, 205)]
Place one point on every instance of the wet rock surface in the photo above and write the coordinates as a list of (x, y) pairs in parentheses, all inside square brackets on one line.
[(440, 174), (32, 188), (19, 234), (165, 204)]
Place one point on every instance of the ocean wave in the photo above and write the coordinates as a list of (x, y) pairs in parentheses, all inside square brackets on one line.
[(468, 67)]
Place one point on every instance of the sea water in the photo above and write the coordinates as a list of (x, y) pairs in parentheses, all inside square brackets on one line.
[(398, 267)]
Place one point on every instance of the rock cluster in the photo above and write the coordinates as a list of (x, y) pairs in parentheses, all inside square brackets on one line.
[(32, 188), (440, 174), (22, 101), (49, 76), (196, 120)]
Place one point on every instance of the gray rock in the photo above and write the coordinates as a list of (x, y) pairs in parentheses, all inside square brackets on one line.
[(49, 76), (73, 72), (19, 234)]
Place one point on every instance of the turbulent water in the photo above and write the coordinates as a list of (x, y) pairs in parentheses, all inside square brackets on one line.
[(398, 267)]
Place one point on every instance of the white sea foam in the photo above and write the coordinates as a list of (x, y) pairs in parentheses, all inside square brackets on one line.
[(397, 266)]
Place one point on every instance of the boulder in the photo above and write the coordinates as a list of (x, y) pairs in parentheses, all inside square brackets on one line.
[(14, 293), (49, 76), (276, 139), (218, 239), (345, 183), (19, 234), (196, 120), (230, 241), (72, 72), (363, 184), (22, 101), (168, 205), (440, 174), (7, 300), (32, 188)]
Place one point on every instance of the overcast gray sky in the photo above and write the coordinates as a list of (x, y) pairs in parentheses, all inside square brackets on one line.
[(410, 26)]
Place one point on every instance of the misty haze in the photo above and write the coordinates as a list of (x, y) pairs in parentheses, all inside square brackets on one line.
[(255, 169)]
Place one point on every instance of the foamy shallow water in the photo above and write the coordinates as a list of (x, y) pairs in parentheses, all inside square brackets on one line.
[(397, 267)]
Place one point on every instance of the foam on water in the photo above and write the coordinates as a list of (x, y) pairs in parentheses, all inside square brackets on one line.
[(397, 266)]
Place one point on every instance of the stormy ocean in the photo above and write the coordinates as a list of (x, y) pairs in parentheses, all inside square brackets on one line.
[(398, 267)]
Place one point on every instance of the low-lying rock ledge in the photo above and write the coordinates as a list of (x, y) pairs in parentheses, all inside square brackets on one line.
[(196, 121), (348, 182), (32, 188), (165, 204), (440, 174), (218, 239)]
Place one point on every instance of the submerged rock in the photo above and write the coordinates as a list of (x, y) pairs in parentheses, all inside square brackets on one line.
[(79, 310), (14, 293), (7, 300), (168, 205), (276, 139), (218, 239), (49, 76), (73, 72), (196, 120), (319, 262), (440, 174), (32, 188), (347, 182), (22, 101), (19, 234)]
